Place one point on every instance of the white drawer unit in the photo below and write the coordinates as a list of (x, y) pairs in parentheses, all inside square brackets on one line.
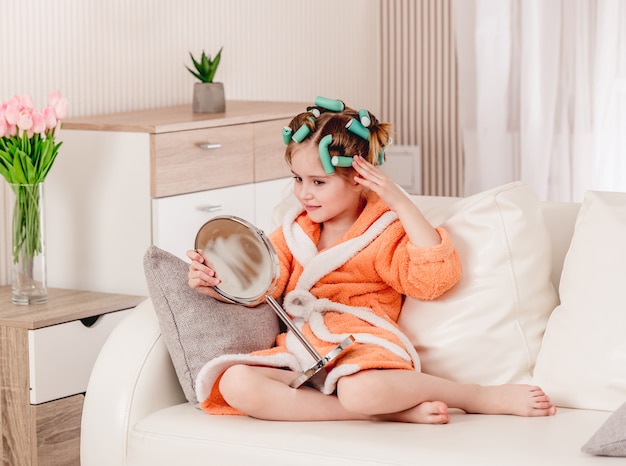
[(122, 182), (61, 356), (177, 219), (267, 195)]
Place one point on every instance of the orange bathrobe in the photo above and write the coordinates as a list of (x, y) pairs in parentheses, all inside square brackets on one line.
[(355, 287)]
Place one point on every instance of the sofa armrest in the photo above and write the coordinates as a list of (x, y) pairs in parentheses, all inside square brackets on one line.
[(132, 377)]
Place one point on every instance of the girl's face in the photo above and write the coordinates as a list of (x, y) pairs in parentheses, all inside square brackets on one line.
[(326, 198)]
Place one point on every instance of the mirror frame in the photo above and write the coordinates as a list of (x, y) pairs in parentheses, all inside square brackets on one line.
[(265, 246)]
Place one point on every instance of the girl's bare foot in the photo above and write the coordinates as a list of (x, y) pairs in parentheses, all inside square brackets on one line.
[(428, 412), (519, 400)]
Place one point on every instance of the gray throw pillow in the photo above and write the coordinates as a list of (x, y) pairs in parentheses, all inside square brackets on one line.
[(610, 439), (197, 328)]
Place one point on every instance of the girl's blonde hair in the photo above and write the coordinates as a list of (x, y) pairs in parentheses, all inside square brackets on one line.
[(344, 143)]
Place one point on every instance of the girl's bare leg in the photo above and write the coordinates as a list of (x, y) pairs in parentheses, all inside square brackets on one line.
[(264, 393), (402, 392), (393, 395)]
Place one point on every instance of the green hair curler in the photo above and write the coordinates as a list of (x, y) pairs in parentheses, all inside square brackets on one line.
[(287, 134), (381, 153), (325, 155), (302, 133), (333, 105), (341, 161), (355, 127), (364, 116)]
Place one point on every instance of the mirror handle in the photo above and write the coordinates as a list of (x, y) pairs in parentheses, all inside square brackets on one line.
[(296, 331)]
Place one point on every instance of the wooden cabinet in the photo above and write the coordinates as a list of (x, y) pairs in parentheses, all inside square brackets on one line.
[(198, 160), (47, 352), (176, 219), (124, 181)]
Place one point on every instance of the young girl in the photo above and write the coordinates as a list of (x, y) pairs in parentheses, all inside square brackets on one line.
[(348, 253)]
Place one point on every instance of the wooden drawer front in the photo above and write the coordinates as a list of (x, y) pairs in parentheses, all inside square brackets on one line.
[(181, 164), (177, 219), (61, 356), (58, 431), (269, 151)]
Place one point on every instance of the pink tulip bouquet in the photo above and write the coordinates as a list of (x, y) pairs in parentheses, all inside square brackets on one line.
[(27, 146), (27, 152)]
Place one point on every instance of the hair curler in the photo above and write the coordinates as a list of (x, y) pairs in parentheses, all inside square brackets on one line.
[(355, 127), (333, 105), (341, 161), (286, 134), (364, 116), (325, 155), (302, 133)]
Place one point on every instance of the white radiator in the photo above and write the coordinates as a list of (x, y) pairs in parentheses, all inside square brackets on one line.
[(419, 88)]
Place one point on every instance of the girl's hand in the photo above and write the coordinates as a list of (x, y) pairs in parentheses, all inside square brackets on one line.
[(374, 179), (420, 231), (201, 276)]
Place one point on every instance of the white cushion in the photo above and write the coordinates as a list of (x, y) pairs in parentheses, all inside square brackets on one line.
[(582, 363), (488, 328), (181, 435)]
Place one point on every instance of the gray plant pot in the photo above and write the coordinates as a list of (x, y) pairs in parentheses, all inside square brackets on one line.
[(209, 98)]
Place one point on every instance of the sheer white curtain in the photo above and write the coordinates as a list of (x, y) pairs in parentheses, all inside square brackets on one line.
[(542, 89)]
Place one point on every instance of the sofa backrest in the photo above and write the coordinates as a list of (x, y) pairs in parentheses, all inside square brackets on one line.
[(560, 218)]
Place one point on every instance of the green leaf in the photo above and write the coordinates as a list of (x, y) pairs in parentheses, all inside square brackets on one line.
[(195, 63), (206, 67), (214, 64), (4, 171), (205, 64), (194, 73), (18, 173), (27, 168)]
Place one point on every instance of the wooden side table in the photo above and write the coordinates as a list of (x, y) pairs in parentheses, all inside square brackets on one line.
[(47, 352)]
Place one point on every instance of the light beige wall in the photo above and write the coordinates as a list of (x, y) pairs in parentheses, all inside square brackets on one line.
[(118, 55)]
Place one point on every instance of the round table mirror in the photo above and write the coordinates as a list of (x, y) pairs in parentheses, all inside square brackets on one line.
[(242, 256), (246, 262)]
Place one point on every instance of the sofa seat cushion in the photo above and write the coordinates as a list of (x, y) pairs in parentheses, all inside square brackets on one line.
[(183, 435)]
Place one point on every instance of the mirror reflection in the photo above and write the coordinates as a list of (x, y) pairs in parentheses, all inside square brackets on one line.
[(242, 256)]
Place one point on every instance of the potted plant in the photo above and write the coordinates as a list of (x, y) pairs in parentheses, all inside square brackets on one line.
[(208, 96)]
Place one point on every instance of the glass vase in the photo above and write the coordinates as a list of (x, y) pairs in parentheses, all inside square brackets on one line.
[(28, 258)]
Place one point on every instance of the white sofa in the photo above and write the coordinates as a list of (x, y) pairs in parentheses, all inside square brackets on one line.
[(135, 412)]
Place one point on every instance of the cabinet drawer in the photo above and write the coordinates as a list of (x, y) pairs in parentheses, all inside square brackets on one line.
[(58, 431), (177, 219), (269, 151), (61, 356), (267, 196), (197, 160)]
